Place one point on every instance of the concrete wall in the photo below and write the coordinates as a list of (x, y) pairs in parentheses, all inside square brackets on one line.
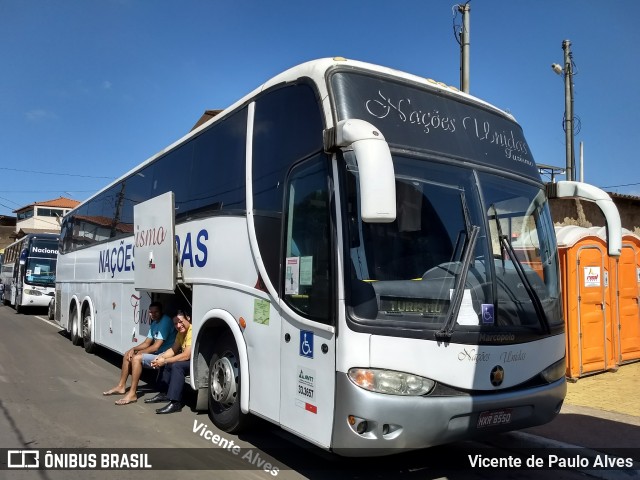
[(587, 214), (5, 236)]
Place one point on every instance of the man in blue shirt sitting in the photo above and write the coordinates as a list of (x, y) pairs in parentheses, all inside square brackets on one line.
[(161, 337)]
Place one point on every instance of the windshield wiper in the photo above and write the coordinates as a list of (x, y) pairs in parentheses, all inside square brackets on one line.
[(535, 298), (446, 331), (505, 244), (499, 228)]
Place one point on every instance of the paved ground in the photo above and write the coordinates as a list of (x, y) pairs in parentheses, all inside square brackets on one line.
[(600, 412), (617, 392)]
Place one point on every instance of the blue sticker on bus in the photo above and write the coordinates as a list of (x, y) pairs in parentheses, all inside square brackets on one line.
[(306, 343), (487, 313)]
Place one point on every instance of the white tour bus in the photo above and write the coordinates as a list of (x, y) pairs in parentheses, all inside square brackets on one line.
[(29, 271), (369, 257)]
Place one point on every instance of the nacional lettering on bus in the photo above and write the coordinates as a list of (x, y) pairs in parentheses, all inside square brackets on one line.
[(44, 250), (192, 251)]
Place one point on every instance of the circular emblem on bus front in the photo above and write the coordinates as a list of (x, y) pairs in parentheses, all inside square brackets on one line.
[(496, 376)]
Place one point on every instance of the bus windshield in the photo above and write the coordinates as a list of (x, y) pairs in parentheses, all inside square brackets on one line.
[(40, 267), (41, 271), (405, 273)]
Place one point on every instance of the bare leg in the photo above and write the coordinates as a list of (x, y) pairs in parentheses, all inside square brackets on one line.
[(136, 372), (121, 387)]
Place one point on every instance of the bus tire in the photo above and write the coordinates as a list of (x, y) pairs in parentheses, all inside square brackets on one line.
[(51, 311), (76, 338), (224, 387), (89, 345), (18, 306)]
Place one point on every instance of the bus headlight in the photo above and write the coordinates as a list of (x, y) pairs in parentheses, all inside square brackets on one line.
[(29, 291), (391, 382), (555, 371)]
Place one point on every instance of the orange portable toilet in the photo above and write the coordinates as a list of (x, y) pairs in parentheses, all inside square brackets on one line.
[(585, 275), (627, 313)]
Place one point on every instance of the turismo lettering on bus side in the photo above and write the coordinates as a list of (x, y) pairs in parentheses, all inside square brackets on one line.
[(151, 236), (139, 315)]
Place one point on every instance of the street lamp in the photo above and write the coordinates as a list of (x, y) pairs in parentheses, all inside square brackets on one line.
[(567, 71)]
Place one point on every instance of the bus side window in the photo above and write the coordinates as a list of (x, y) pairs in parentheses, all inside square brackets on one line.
[(307, 263)]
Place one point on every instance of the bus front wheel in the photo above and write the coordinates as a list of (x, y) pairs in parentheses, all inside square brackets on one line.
[(224, 387)]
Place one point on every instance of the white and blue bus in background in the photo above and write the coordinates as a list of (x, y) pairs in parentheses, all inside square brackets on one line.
[(29, 271), (369, 258)]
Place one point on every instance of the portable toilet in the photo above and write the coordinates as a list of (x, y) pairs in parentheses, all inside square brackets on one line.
[(625, 296), (585, 272)]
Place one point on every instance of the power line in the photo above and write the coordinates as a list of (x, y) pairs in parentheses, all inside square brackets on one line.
[(625, 185), (53, 173), (45, 191), (8, 200)]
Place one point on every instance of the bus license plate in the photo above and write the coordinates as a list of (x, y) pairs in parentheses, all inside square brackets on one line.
[(494, 417)]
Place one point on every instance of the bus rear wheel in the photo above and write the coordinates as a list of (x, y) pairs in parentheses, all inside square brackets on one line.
[(89, 345), (224, 387)]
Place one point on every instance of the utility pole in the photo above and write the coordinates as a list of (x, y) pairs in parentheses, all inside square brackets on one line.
[(116, 217), (567, 71), (581, 162), (465, 39), (568, 108)]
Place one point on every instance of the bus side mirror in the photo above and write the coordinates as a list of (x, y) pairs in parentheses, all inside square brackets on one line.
[(584, 191), (375, 166)]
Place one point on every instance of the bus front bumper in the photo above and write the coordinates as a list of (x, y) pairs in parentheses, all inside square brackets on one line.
[(397, 423), (35, 298)]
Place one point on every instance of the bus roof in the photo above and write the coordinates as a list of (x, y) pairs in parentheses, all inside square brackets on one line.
[(317, 71)]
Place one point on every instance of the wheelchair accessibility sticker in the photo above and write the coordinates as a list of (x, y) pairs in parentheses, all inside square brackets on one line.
[(306, 343), (487, 313)]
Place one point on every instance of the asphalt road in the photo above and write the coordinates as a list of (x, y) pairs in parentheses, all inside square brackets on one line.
[(51, 399)]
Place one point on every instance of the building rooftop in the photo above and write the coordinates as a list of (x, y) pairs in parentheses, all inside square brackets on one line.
[(621, 195), (60, 202)]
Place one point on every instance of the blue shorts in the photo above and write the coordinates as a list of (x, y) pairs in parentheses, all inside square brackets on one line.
[(147, 358)]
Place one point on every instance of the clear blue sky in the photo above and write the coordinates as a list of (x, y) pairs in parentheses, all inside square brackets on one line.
[(89, 89)]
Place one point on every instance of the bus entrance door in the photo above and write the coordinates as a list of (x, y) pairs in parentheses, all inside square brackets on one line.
[(307, 381), (307, 354)]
